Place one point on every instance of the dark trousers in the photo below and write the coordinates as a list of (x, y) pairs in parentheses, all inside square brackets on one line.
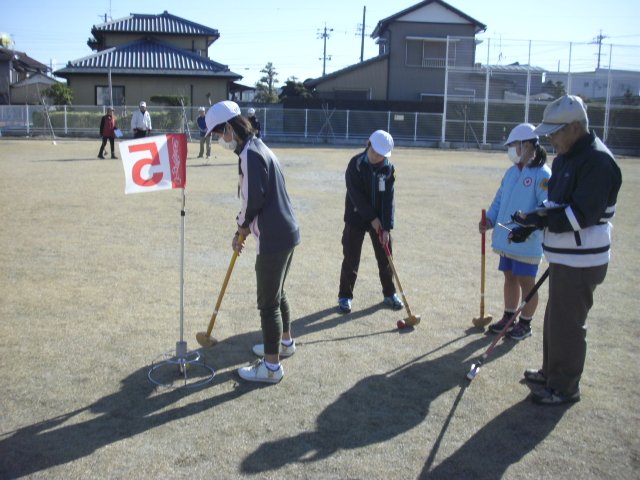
[(565, 333), (104, 143), (139, 133), (275, 313), (352, 239)]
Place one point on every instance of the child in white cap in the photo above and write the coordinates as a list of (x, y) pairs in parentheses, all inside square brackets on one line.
[(369, 208), (523, 187)]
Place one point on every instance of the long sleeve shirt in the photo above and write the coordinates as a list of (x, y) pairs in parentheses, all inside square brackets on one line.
[(141, 121)]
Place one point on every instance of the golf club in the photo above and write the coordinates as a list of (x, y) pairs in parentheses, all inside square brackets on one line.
[(482, 321), (204, 338), (475, 368), (412, 319)]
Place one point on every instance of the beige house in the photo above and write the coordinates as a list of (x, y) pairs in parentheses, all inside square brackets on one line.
[(142, 56)]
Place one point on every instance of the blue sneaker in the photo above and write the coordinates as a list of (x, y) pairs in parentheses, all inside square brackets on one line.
[(394, 302), (344, 304)]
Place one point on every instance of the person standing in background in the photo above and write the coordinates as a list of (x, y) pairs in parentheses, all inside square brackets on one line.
[(141, 122), (255, 123), (108, 125), (205, 138)]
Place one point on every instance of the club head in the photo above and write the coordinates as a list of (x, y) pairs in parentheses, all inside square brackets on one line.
[(475, 368), (205, 340), (412, 320), (482, 322)]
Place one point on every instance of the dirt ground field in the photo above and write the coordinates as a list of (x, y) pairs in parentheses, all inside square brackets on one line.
[(89, 299)]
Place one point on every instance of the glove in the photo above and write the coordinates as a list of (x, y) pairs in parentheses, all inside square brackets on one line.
[(529, 219), (521, 234)]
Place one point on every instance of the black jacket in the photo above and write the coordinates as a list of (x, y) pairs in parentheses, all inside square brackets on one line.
[(370, 193), (586, 181)]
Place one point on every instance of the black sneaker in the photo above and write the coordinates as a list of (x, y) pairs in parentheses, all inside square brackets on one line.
[(535, 376), (499, 325), (549, 396), (520, 331), (101, 156)]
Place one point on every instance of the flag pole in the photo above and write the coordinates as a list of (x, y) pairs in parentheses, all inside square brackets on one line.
[(181, 346)]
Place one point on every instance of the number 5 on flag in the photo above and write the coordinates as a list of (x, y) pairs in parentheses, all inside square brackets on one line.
[(154, 163)]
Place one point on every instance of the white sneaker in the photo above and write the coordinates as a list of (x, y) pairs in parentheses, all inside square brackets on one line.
[(284, 350), (258, 372)]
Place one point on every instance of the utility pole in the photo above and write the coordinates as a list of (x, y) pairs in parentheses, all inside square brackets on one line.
[(598, 40), (324, 36), (364, 14)]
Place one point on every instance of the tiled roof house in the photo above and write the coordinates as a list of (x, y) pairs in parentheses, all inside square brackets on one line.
[(16, 68), (149, 55)]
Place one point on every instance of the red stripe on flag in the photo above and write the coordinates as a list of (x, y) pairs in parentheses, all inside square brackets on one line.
[(177, 147)]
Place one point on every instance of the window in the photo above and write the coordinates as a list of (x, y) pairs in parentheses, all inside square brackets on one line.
[(429, 52), (102, 95)]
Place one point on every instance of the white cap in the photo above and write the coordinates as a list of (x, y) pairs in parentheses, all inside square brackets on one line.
[(522, 132), (381, 142), (561, 112), (251, 111), (221, 112), (143, 104), (201, 109)]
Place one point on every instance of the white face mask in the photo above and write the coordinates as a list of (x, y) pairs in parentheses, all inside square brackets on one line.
[(228, 145), (513, 155)]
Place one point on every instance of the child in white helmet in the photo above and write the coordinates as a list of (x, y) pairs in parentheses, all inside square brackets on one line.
[(523, 187)]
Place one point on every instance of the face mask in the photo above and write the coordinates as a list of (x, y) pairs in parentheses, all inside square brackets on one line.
[(513, 155), (228, 145)]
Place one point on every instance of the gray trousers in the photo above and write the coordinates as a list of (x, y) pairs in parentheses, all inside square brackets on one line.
[(275, 314), (565, 332)]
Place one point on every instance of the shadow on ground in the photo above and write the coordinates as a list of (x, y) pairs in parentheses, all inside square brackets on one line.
[(402, 400)]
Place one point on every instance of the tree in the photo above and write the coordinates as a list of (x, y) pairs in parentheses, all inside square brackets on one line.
[(294, 88), (630, 99), (557, 89), (265, 88), (60, 94)]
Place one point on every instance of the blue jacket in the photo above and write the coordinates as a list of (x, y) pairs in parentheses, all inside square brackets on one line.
[(266, 207), (202, 125), (523, 190)]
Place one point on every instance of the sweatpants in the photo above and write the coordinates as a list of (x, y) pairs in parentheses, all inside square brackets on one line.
[(275, 314), (565, 333), (352, 239)]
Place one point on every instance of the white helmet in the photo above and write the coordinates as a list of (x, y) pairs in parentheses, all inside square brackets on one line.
[(522, 132), (251, 112), (201, 109)]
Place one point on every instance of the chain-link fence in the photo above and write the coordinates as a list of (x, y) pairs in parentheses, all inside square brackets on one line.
[(480, 103), (484, 102)]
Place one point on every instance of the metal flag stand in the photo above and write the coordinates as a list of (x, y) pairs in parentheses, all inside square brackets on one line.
[(182, 369)]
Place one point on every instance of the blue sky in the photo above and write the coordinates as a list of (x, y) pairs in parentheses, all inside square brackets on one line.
[(286, 32)]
